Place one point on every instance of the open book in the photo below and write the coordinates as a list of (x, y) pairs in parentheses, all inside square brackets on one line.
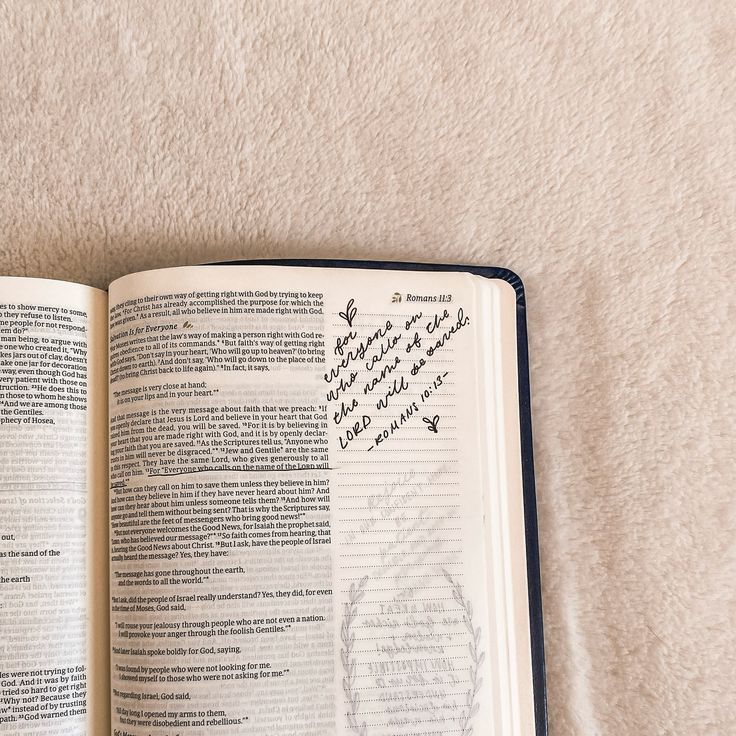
[(269, 498)]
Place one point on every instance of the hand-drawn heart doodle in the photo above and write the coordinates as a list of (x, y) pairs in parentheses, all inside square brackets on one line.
[(349, 314), (433, 422)]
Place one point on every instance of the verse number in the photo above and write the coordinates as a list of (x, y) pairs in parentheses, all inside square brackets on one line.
[(436, 383)]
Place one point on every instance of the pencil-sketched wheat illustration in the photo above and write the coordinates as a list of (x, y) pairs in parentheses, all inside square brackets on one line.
[(477, 657), (357, 593), (357, 724)]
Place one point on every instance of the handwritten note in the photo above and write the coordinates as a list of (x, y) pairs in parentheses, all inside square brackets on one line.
[(393, 370)]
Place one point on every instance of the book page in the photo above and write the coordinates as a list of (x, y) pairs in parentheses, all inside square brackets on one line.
[(54, 665), (298, 482)]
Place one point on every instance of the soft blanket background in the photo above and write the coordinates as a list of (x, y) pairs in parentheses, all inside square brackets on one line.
[(588, 145)]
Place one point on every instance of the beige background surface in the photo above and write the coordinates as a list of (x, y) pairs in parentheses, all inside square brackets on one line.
[(590, 146)]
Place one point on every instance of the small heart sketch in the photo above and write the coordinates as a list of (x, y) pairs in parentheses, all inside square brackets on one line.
[(349, 314), (433, 423)]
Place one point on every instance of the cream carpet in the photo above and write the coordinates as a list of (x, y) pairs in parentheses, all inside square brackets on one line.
[(588, 145)]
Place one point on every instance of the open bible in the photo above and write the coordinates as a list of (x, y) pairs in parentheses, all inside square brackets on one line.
[(290, 497)]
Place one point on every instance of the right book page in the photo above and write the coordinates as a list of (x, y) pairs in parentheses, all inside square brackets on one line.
[(316, 507)]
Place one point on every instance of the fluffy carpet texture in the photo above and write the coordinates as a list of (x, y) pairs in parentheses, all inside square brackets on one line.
[(588, 145)]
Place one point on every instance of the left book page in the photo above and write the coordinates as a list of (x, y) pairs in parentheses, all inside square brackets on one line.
[(54, 666)]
